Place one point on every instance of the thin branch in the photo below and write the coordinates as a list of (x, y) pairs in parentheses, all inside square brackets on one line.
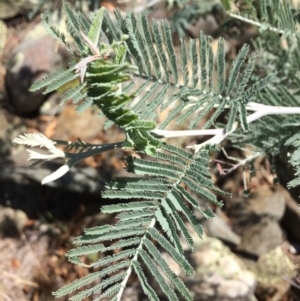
[(243, 162), (92, 152), (129, 270), (92, 46), (20, 280), (72, 159), (290, 281), (260, 110), (245, 180), (142, 7), (171, 134), (36, 139), (258, 24)]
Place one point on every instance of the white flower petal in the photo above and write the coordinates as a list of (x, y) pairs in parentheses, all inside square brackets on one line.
[(33, 155), (45, 141), (57, 174), (35, 139), (58, 152)]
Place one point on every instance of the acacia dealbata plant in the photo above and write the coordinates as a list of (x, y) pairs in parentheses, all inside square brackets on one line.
[(132, 78)]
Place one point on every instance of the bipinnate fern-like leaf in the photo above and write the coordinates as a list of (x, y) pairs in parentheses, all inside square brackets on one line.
[(276, 135), (54, 32), (103, 68), (161, 199), (159, 68), (273, 134), (52, 78), (164, 190)]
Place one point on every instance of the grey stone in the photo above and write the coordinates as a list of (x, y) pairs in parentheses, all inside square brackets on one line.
[(12, 8), (263, 202), (11, 221), (260, 237), (87, 125), (220, 275), (81, 180), (34, 58), (3, 34), (10, 126), (291, 218), (272, 205), (232, 288), (256, 219), (217, 227), (208, 25), (272, 271)]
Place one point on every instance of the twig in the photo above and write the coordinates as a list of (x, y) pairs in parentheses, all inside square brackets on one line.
[(129, 270), (260, 110), (171, 134), (20, 280), (258, 24), (290, 281), (225, 171), (140, 8)]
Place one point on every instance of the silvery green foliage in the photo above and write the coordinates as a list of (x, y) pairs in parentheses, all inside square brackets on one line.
[(278, 54), (187, 12), (162, 193)]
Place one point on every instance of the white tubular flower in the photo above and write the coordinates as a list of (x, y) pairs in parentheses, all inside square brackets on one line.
[(38, 156), (39, 140), (56, 175), (35, 139)]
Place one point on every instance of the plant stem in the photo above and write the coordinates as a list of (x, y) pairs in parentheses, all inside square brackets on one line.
[(171, 134), (260, 110), (74, 158), (129, 270), (258, 24)]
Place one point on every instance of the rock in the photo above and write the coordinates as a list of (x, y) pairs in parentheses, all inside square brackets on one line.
[(132, 293), (10, 127), (11, 221), (256, 220), (271, 270), (77, 191), (3, 35), (268, 203), (10, 9), (26, 260), (80, 180), (86, 125), (260, 237), (291, 218), (220, 275), (35, 57), (218, 228), (206, 24), (262, 202)]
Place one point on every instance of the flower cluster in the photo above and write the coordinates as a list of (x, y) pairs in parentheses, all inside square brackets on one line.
[(39, 140)]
